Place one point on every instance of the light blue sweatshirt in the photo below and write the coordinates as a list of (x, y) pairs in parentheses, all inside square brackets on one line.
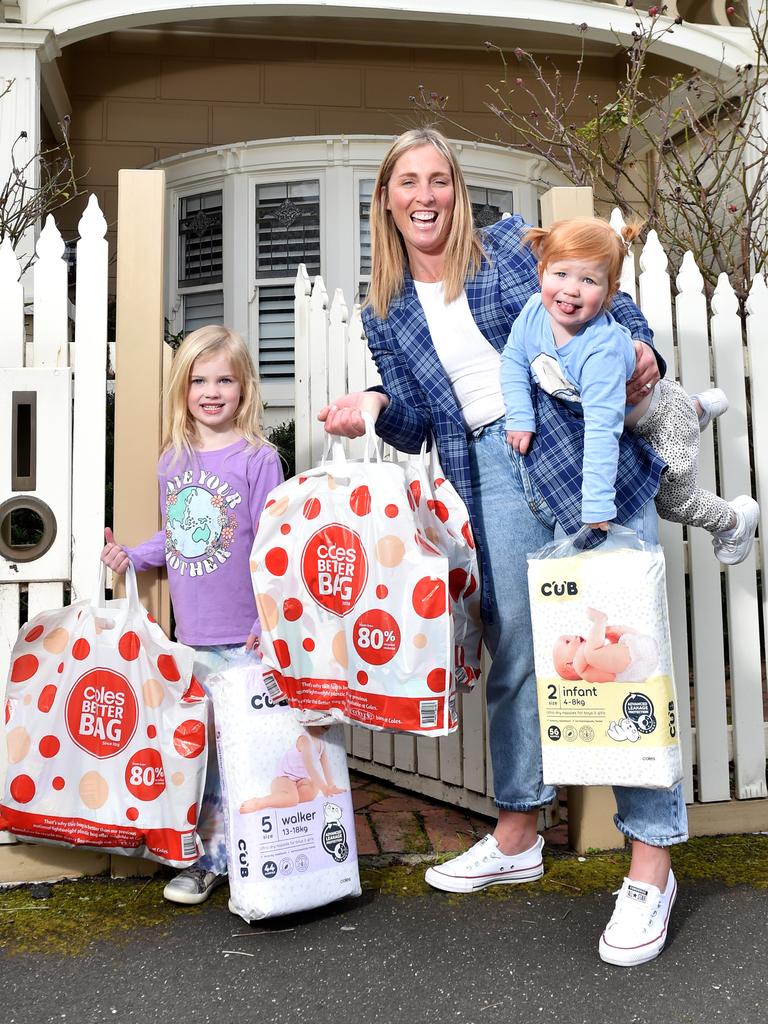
[(592, 368)]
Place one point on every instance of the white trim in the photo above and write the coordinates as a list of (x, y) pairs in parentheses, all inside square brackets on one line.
[(702, 46)]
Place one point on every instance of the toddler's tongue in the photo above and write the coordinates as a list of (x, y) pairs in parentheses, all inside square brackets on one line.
[(567, 307)]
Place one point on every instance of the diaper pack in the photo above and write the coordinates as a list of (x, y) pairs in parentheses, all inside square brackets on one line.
[(606, 694), (290, 827)]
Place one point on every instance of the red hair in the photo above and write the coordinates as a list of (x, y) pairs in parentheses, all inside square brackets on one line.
[(584, 238)]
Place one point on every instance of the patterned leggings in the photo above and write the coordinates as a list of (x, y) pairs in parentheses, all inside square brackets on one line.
[(672, 428)]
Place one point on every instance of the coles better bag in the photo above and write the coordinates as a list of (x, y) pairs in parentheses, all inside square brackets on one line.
[(445, 521), (353, 599), (106, 733), (606, 694), (290, 825)]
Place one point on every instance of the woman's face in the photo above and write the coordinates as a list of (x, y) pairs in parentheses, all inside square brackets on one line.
[(420, 198)]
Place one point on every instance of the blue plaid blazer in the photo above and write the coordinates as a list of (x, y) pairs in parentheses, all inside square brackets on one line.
[(421, 399)]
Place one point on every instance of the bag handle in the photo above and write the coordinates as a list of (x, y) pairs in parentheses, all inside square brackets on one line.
[(335, 448), (588, 539), (131, 588)]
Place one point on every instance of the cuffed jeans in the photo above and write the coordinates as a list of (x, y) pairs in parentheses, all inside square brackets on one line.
[(512, 521)]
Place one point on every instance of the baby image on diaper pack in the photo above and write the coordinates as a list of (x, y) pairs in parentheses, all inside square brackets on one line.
[(606, 694)]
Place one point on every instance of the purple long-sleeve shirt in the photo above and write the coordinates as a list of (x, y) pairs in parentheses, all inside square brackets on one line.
[(210, 506)]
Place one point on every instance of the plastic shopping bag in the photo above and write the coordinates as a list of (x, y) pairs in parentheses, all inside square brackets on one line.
[(353, 601), (106, 733), (445, 521), (606, 694), (288, 811)]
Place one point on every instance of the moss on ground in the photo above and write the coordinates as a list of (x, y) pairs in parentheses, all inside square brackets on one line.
[(77, 914), (732, 860)]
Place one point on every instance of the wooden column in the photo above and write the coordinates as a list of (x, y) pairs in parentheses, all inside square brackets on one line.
[(141, 357), (590, 808)]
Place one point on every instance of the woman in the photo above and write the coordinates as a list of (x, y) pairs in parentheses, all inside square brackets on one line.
[(437, 316)]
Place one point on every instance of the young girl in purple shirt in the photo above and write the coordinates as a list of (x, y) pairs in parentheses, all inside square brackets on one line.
[(214, 473)]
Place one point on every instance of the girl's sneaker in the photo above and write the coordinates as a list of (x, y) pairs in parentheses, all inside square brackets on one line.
[(192, 885), (484, 864), (713, 402), (732, 546), (637, 930)]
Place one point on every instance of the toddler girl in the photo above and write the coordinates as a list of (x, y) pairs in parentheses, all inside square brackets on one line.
[(569, 344), (215, 473)]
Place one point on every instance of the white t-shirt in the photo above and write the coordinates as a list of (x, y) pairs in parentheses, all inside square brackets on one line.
[(470, 361)]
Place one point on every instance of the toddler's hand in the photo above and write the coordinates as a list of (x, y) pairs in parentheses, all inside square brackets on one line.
[(520, 440), (598, 526), (113, 554)]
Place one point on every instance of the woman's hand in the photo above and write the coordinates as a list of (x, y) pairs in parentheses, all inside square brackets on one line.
[(344, 415), (252, 643), (646, 374), (113, 554)]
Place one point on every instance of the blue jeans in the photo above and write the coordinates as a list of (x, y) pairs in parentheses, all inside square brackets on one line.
[(512, 521)]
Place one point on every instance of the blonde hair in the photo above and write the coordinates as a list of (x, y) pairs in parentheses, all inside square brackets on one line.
[(584, 238), (202, 344), (463, 251)]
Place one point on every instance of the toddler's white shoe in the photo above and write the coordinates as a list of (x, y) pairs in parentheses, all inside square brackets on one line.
[(713, 402), (484, 864), (637, 930), (733, 545), (192, 886)]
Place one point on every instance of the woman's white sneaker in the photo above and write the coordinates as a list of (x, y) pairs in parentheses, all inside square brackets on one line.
[(637, 930), (484, 864)]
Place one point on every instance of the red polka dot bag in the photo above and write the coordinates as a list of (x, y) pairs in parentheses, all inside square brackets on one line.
[(445, 521), (106, 733), (353, 600)]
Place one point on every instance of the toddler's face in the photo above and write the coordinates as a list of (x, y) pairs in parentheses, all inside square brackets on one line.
[(573, 292), (563, 653)]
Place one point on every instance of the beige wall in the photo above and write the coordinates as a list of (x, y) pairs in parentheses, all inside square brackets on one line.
[(138, 97)]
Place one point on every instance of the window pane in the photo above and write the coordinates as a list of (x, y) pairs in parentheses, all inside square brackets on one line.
[(488, 204), (200, 240), (366, 193), (287, 228), (201, 308), (276, 332)]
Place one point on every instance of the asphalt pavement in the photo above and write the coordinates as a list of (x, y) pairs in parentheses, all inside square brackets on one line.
[(501, 957)]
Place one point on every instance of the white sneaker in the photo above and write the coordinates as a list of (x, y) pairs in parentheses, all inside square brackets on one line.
[(192, 885), (733, 545), (713, 402), (637, 930), (484, 864)]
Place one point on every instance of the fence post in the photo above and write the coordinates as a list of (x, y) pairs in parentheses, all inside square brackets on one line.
[(139, 357)]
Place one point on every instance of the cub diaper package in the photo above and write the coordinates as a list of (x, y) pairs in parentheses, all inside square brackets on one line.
[(106, 733), (606, 694), (353, 600), (290, 823)]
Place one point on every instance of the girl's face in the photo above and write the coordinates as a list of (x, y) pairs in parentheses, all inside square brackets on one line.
[(420, 198), (573, 292), (214, 392)]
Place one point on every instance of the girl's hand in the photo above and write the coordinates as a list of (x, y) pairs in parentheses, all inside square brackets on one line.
[(343, 416), (113, 554), (646, 374), (520, 440), (252, 643)]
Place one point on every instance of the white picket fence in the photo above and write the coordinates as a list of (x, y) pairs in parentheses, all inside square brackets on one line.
[(717, 639), (82, 490)]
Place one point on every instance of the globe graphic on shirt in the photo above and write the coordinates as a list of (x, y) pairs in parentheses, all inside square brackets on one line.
[(193, 522)]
